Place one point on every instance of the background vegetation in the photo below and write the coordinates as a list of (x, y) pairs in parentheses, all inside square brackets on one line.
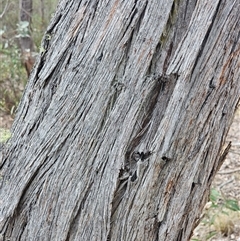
[(13, 75)]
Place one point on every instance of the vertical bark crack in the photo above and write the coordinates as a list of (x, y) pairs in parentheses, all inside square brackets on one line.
[(204, 42)]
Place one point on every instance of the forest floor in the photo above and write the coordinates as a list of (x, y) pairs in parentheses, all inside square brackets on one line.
[(221, 217)]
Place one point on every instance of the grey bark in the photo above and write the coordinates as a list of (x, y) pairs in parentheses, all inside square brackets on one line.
[(122, 125)]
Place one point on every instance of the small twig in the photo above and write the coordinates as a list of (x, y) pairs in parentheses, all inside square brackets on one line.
[(223, 156), (234, 152), (229, 172), (225, 183), (4, 10)]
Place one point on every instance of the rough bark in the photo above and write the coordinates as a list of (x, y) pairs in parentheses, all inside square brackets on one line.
[(122, 125)]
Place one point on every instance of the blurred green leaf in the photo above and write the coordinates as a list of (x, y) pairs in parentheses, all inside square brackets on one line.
[(232, 205), (5, 134), (211, 234), (214, 195)]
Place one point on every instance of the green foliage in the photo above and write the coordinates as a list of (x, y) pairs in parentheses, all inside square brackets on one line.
[(12, 79), (23, 29), (219, 201), (13, 76), (232, 205), (210, 235), (214, 196), (5, 134), (220, 216)]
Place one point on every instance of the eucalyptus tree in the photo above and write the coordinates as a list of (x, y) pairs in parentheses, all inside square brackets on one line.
[(123, 122)]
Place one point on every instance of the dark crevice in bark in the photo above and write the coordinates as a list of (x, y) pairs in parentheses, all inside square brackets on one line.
[(127, 48), (116, 88), (54, 74), (206, 37), (223, 156), (165, 41), (237, 105), (157, 225), (170, 23), (167, 59), (129, 173), (180, 235), (167, 85), (50, 84), (6, 229), (94, 7), (127, 45), (145, 115), (125, 182), (151, 68), (21, 228), (135, 11), (120, 190), (46, 42), (170, 32), (34, 127), (219, 163), (138, 24), (3, 151), (194, 184), (186, 8), (68, 57), (210, 177), (39, 68), (53, 25), (79, 5)]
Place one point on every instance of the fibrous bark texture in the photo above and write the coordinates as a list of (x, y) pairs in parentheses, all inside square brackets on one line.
[(122, 124)]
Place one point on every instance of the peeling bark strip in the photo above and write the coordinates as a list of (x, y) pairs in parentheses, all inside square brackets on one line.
[(123, 121)]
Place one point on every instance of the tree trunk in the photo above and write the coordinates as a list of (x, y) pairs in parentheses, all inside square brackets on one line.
[(122, 124), (42, 15), (25, 40)]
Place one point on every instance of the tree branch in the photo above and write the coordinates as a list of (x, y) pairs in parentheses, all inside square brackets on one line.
[(4, 10)]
